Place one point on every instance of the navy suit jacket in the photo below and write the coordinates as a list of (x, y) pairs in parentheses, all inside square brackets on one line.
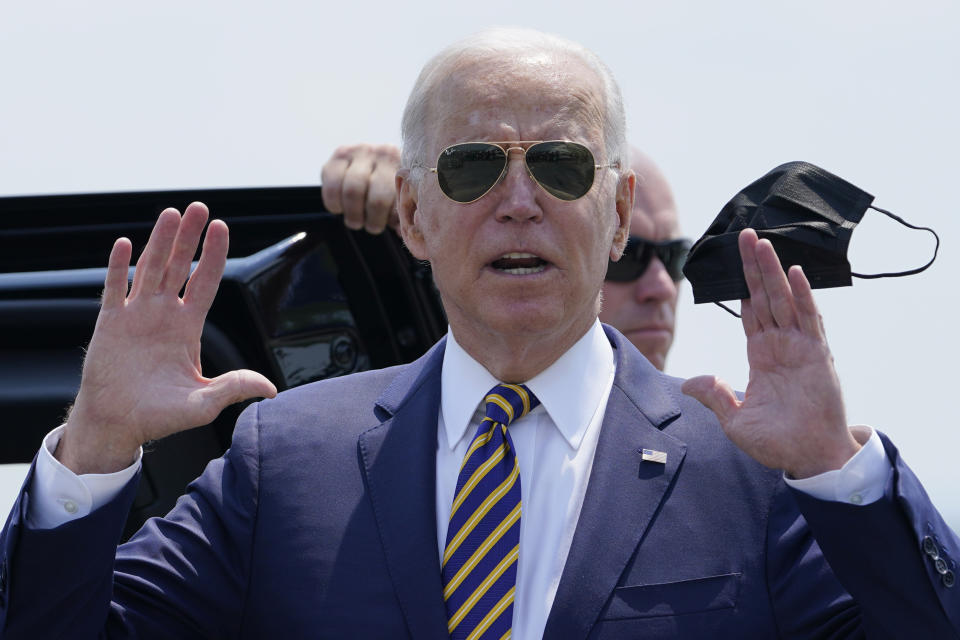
[(320, 522)]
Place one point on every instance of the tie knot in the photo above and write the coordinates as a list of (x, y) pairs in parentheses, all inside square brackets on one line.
[(508, 402)]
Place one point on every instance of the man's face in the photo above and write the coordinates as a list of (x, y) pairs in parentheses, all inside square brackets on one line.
[(645, 310), (476, 249)]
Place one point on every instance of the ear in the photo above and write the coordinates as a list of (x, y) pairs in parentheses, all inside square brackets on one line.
[(410, 229), (626, 186)]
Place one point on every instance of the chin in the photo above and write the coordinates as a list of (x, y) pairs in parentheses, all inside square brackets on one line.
[(525, 322), (547, 320)]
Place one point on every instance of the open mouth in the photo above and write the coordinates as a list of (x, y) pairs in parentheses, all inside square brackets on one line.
[(519, 263)]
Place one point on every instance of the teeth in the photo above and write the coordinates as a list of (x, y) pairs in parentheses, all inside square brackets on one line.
[(517, 255), (520, 271)]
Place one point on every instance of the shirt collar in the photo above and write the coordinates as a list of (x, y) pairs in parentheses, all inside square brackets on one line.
[(570, 390)]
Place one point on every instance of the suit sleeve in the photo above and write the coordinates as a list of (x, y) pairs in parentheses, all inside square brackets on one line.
[(884, 556), (182, 576)]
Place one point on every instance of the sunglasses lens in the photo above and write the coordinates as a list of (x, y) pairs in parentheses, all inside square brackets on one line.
[(564, 169), (623, 270), (636, 258), (632, 263), (467, 171), (674, 255)]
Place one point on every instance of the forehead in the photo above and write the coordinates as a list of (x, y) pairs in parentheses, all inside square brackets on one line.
[(656, 223), (533, 97), (654, 214)]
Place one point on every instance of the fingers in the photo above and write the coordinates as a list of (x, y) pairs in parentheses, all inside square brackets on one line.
[(153, 260), (771, 298), (236, 386), (715, 394), (165, 262), (358, 182), (749, 319), (381, 198), (184, 247), (779, 295), (807, 313), (203, 284), (118, 267), (757, 307), (331, 180)]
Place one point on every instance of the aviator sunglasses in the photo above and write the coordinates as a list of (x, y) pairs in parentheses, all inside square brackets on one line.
[(468, 170), (636, 258)]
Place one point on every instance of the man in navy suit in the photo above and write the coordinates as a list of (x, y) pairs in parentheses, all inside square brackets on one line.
[(644, 513)]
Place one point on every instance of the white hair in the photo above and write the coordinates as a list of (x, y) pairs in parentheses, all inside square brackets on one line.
[(507, 43)]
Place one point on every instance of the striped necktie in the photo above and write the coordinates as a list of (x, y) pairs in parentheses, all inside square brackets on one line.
[(483, 538)]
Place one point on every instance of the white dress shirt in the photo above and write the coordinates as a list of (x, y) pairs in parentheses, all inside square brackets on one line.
[(555, 446)]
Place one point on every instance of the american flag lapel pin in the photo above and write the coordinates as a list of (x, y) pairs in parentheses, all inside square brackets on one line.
[(651, 455)]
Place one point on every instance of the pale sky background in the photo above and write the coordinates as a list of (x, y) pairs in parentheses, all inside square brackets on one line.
[(111, 95)]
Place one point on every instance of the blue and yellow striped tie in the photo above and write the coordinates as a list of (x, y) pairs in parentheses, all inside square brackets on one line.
[(483, 539)]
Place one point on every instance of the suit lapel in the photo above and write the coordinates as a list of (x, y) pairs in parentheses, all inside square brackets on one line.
[(399, 463), (623, 494)]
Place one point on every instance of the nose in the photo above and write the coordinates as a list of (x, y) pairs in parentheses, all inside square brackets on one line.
[(517, 192), (655, 285)]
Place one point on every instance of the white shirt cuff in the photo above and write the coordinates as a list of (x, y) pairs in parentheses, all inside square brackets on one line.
[(860, 481), (58, 495)]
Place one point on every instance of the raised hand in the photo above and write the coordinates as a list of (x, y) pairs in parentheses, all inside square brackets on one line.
[(359, 182), (141, 376), (792, 415)]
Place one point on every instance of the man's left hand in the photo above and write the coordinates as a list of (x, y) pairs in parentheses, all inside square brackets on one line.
[(792, 415)]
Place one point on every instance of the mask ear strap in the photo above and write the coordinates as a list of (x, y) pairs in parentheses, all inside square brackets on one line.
[(897, 274), (727, 309)]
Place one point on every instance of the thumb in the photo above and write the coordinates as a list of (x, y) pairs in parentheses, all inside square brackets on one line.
[(713, 393), (237, 386)]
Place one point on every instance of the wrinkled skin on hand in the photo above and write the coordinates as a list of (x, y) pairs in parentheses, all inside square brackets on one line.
[(792, 415), (141, 377)]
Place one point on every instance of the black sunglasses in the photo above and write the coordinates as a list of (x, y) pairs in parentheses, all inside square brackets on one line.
[(467, 171), (636, 258)]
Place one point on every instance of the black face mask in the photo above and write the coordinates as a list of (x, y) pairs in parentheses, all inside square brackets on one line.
[(807, 213)]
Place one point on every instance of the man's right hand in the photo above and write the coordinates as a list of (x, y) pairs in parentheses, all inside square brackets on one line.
[(359, 181), (141, 376)]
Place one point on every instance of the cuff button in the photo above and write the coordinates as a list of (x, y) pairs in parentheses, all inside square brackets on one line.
[(941, 566), (948, 579), (930, 547)]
